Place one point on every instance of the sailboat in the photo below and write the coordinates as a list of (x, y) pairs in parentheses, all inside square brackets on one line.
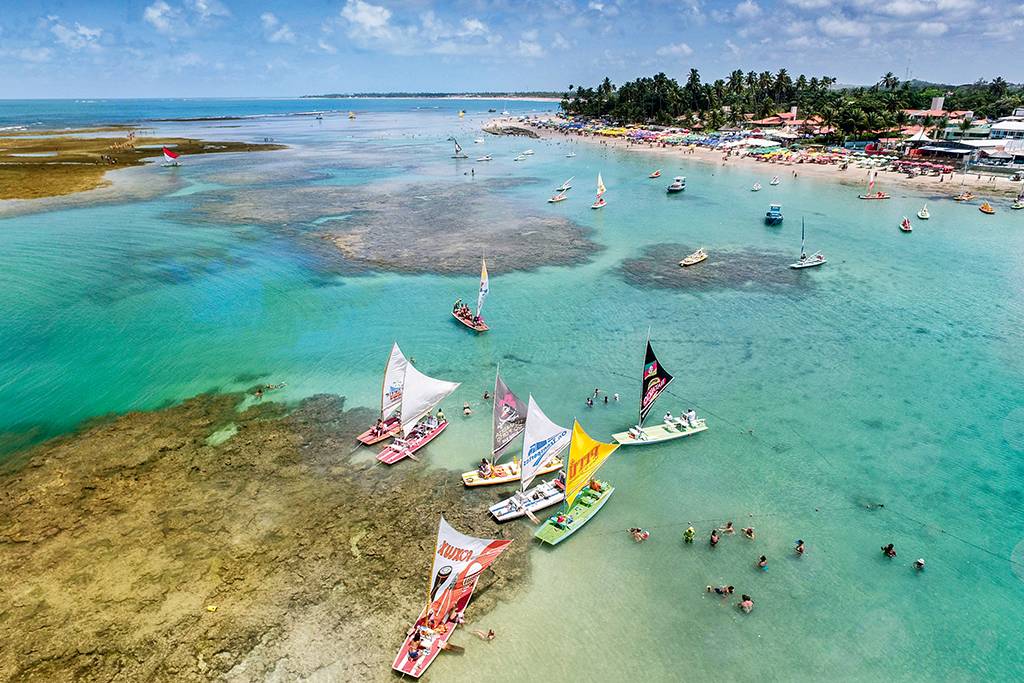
[(461, 312), (351, 115), (923, 213), (653, 382), (905, 225), (756, 187), (459, 154), (459, 560), (389, 423), (584, 495), (420, 394), (601, 189), (558, 197), (806, 261), (565, 186), (775, 180), (570, 155), (171, 158), (508, 421), (871, 184), (543, 441)]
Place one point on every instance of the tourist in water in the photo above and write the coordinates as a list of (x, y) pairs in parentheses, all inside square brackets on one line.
[(596, 392), (485, 636), (590, 402), (689, 534), (487, 397), (762, 563), (466, 410), (606, 399), (749, 532), (639, 535), (714, 538), (615, 396), (919, 564), (727, 529), (746, 603), (724, 591), (799, 547), (889, 550), (258, 393)]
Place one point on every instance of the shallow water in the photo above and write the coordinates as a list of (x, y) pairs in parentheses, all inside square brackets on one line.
[(892, 375)]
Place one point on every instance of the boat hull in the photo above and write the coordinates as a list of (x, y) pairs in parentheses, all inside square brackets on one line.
[(773, 220), (478, 327), (674, 190), (435, 644), (395, 452), (692, 261), (871, 197), (548, 495), (392, 426), (506, 474), (581, 512), (660, 432), (800, 265)]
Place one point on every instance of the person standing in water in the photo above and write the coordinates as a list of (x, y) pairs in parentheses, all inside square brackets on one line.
[(799, 547), (714, 538), (689, 534)]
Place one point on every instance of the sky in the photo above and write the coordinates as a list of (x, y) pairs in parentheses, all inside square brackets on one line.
[(209, 48)]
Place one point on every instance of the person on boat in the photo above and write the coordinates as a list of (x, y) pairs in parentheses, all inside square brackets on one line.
[(485, 468), (799, 547), (762, 563), (749, 532), (714, 538), (689, 534), (440, 416), (889, 550), (594, 486), (919, 564), (378, 428), (746, 603), (691, 417), (457, 306), (668, 418), (466, 410), (415, 645)]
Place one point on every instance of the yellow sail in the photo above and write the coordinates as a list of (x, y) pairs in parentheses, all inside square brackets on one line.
[(585, 456), (600, 186)]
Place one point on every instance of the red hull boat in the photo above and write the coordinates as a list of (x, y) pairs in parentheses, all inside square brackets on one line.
[(479, 326), (399, 449), (392, 426)]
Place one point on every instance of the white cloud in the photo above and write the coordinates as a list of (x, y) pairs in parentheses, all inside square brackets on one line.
[(842, 27), (326, 47), (606, 8), (559, 42), (373, 19), (532, 35), (374, 27), (529, 49), (474, 27), (188, 59), (161, 16), (932, 28), (78, 38), (207, 9), (675, 50), (748, 9), (733, 48), (274, 30), (810, 4), (33, 54)]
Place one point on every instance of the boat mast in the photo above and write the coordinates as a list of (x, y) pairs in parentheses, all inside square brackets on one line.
[(802, 251), (643, 366), (494, 409)]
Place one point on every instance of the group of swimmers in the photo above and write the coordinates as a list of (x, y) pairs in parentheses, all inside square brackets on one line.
[(890, 552), (597, 392)]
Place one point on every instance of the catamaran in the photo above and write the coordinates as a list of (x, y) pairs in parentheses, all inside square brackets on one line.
[(420, 394), (584, 494), (653, 382), (458, 562), (460, 311), (543, 441), (565, 186), (678, 185), (601, 189), (805, 261), (905, 225), (389, 423), (459, 154), (508, 421), (871, 184), (171, 158), (774, 214), (923, 213)]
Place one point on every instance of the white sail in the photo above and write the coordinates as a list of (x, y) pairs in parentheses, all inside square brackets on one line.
[(394, 380), (544, 440), (485, 286), (420, 394), (601, 189)]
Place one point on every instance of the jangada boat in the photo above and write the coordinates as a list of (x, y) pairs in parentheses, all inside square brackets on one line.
[(774, 214), (560, 197), (654, 379), (923, 213), (775, 180), (584, 495), (565, 186), (873, 195), (459, 560), (543, 441), (905, 225), (508, 421), (171, 158), (964, 197), (459, 154), (462, 313), (694, 258), (655, 174), (805, 261), (986, 208), (419, 396), (390, 399), (601, 189), (756, 187), (678, 185)]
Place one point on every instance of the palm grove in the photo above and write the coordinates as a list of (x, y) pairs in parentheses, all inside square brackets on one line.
[(852, 112)]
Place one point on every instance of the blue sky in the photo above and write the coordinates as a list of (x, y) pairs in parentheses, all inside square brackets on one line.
[(137, 48)]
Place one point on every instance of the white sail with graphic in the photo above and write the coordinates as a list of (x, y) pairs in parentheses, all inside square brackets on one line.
[(420, 394), (542, 443), (485, 287), (394, 380)]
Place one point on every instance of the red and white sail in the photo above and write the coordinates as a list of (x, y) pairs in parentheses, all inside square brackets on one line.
[(170, 156), (458, 562)]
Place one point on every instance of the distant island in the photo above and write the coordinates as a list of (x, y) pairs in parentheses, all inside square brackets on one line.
[(528, 95)]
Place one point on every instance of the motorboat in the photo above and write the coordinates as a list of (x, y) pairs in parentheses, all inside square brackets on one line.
[(923, 213), (694, 258), (478, 141), (756, 187), (486, 157), (905, 225), (570, 155), (774, 214), (964, 197), (678, 185)]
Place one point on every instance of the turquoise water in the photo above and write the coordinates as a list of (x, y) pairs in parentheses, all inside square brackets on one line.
[(891, 375)]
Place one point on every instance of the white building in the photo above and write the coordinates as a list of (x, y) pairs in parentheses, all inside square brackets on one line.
[(1008, 128)]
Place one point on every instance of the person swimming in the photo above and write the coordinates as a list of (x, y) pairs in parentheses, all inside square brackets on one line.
[(749, 532), (762, 563), (746, 603), (714, 538), (639, 535), (689, 534), (728, 528), (919, 564), (889, 550), (799, 547)]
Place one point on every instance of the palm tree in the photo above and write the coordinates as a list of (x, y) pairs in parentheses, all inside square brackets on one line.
[(889, 81)]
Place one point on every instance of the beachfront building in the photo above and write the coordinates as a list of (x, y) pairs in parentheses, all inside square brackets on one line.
[(1008, 128)]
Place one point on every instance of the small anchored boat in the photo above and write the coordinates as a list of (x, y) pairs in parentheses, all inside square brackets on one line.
[(461, 312), (528, 152), (694, 258), (774, 214), (986, 208), (601, 189), (775, 180), (1017, 204), (923, 213), (565, 186), (519, 158), (389, 422), (805, 261), (678, 185), (486, 157), (570, 155), (478, 141), (655, 174), (905, 225), (420, 394), (558, 197), (756, 187), (965, 197)]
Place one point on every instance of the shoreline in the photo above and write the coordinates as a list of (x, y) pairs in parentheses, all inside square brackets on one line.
[(949, 184)]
